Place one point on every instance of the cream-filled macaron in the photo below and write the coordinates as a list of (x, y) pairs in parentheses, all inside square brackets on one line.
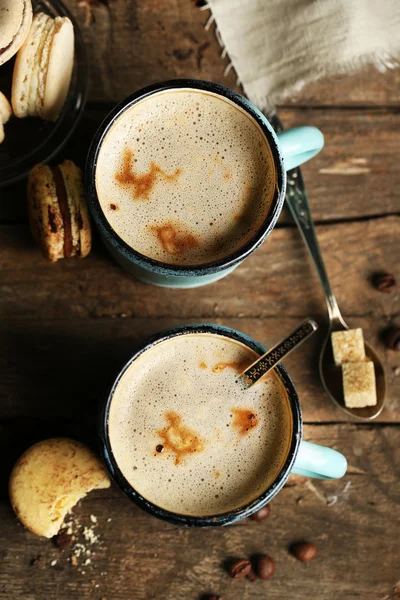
[(15, 21), (43, 68), (49, 479), (58, 212), (5, 114)]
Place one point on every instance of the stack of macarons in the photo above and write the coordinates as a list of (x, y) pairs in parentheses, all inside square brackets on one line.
[(58, 213), (45, 56)]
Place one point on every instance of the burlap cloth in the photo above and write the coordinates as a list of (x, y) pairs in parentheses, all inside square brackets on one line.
[(278, 46)]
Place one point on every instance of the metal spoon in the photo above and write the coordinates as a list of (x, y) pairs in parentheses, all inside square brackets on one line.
[(270, 359), (331, 375)]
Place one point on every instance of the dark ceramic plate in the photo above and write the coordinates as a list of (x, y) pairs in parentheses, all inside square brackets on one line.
[(29, 141)]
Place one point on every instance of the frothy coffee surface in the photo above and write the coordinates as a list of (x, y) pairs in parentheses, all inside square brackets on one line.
[(188, 437), (185, 177)]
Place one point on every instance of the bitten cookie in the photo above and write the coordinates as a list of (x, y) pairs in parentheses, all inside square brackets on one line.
[(58, 213), (43, 68), (15, 21), (5, 114), (49, 479)]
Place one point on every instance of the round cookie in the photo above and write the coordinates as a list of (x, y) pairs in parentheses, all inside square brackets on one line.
[(43, 68), (5, 114), (15, 21), (49, 479), (58, 213)]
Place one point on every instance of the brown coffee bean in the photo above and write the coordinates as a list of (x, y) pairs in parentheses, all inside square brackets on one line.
[(240, 568), (384, 282), (63, 541), (265, 566), (261, 514), (304, 551), (391, 337)]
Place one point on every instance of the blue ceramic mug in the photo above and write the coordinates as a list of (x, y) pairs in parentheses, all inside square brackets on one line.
[(303, 458), (289, 149)]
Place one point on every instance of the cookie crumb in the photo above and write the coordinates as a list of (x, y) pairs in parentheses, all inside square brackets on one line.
[(93, 519), (89, 535)]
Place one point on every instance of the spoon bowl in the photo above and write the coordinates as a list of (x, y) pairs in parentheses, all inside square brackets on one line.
[(331, 376)]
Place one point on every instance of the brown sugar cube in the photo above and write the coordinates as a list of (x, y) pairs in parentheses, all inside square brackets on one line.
[(348, 346), (359, 384)]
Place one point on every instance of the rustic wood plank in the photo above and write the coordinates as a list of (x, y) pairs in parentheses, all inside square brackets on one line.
[(143, 42), (277, 280), (356, 174), (359, 162), (368, 87), (55, 370), (139, 557)]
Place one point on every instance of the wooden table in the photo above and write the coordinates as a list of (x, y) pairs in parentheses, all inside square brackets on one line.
[(66, 328)]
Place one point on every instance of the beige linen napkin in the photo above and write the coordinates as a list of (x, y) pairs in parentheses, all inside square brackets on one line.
[(278, 46)]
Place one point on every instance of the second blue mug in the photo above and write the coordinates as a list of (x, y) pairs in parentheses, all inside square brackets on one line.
[(303, 458), (289, 149)]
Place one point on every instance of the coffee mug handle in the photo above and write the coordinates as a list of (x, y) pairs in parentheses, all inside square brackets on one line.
[(299, 144), (319, 461)]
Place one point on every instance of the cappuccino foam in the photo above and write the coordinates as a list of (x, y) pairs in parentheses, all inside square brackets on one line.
[(188, 437), (185, 177)]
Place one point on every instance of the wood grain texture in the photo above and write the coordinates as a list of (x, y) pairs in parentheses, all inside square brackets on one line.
[(355, 175), (352, 523), (278, 279), (152, 41)]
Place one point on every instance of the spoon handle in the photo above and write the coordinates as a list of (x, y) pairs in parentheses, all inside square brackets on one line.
[(270, 359), (296, 199)]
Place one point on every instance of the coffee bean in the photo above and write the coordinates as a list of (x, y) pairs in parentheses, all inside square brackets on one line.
[(265, 566), (304, 551), (63, 541), (240, 568), (391, 337), (215, 598), (384, 282), (261, 514)]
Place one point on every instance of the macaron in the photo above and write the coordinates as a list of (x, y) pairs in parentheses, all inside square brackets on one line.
[(43, 68), (15, 21), (49, 479), (5, 114), (58, 212)]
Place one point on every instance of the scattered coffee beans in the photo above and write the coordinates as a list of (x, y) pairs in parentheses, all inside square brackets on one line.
[(384, 282), (304, 551), (265, 566), (261, 514), (240, 568)]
